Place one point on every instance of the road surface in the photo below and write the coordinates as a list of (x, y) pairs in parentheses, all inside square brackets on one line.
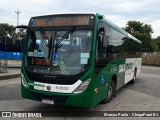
[(144, 95)]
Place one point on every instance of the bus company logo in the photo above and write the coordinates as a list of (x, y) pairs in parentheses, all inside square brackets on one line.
[(48, 87), (6, 114), (102, 79)]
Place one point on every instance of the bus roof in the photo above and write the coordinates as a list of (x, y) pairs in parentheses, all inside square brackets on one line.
[(73, 13), (118, 28), (96, 14), (62, 20)]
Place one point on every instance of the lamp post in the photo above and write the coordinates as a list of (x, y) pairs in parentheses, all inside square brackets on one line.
[(17, 16), (18, 12)]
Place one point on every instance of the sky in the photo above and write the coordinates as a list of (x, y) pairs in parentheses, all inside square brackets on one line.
[(117, 11)]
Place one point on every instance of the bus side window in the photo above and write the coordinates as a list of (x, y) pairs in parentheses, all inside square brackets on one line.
[(102, 41), (102, 46)]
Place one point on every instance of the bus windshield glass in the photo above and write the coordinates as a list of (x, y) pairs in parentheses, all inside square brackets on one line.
[(65, 52)]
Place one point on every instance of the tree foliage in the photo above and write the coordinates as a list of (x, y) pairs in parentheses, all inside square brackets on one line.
[(21, 33), (6, 30), (142, 32), (157, 42)]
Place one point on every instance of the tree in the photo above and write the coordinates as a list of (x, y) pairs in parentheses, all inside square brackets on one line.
[(142, 32), (6, 30), (157, 41), (21, 33), (155, 47), (133, 27)]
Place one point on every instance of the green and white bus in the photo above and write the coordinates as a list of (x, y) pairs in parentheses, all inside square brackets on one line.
[(77, 60)]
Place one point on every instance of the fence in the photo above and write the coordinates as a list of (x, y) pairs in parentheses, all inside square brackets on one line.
[(10, 59), (151, 58), (3, 66)]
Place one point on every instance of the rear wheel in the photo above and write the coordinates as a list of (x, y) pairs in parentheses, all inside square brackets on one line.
[(134, 78), (111, 93)]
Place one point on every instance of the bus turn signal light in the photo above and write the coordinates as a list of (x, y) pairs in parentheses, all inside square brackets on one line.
[(96, 90)]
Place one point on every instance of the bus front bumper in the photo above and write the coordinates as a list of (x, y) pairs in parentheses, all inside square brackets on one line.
[(84, 99)]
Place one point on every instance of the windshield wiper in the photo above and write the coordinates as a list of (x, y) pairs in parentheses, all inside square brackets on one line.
[(59, 41)]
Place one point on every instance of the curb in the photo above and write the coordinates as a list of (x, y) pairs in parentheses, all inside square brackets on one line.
[(152, 65), (5, 77)]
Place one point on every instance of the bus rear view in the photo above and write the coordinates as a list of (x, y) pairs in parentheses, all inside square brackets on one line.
[(57, 60)]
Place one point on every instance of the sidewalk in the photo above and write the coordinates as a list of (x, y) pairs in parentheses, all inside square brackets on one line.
[(12, 73)]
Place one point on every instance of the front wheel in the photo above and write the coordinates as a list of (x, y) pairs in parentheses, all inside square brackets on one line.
[(111, 93)]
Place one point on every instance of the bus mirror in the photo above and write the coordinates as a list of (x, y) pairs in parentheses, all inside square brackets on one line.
[(21, 26), (19, 33), (101, 31)]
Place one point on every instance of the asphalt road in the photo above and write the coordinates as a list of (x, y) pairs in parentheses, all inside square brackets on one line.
[(144, 95)]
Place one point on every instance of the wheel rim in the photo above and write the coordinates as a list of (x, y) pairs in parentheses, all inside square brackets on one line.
[(110, 91), (134, 78)]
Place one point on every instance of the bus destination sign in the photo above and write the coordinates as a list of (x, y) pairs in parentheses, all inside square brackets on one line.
[(49, 21)]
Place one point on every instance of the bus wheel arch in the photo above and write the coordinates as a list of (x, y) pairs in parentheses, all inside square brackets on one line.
[(114, 79), (111, 91), (134, 76)]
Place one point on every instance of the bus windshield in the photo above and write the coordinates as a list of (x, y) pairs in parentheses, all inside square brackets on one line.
[(58, 52)]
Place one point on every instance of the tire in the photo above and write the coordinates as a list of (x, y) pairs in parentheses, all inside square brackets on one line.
[(111, 93), (134, 78)]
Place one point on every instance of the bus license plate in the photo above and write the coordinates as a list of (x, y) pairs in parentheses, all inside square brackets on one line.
[(46, 101)]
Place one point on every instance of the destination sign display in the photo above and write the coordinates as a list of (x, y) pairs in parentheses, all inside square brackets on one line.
[(49, 21), (38, 61)]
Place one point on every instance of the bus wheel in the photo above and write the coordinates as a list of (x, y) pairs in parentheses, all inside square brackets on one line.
[(110, 93), (134, 78)]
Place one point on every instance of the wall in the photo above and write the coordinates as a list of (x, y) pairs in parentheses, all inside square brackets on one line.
[(151, 58)]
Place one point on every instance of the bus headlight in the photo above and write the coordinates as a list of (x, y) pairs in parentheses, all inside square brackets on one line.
[(24, 82), (83, 86)]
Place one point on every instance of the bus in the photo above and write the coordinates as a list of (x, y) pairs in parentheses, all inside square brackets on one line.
[(77, 60), (10, 52)]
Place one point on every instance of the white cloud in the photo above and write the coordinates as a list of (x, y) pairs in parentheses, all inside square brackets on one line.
[(156, 28), (118, 11)]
